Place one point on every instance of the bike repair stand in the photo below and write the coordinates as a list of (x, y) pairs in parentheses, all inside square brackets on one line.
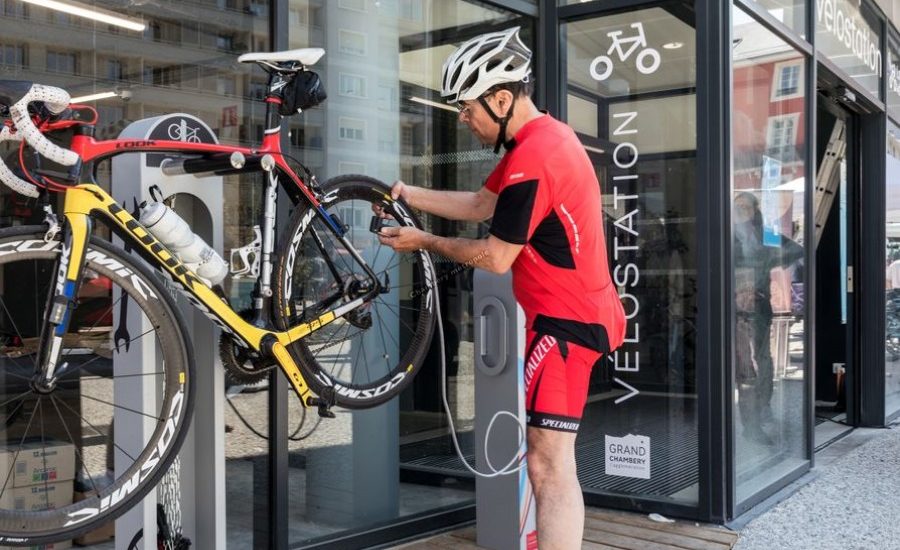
[(504, 505), (201, 483)]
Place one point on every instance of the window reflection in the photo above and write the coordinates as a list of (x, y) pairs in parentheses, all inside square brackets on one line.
[(768, 243), (384, 117), (892, 275), (790, 12), (631, 81)]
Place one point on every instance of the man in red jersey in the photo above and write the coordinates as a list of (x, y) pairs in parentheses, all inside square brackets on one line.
[(547, 226)]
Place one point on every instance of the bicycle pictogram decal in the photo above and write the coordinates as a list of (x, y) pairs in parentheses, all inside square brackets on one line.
[(647, 60), (180, 131)]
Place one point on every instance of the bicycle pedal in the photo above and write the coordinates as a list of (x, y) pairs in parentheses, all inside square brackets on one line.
[(325, 412)]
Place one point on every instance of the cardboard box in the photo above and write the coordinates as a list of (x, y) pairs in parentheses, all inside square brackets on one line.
[(52, 546), (101, 534), (37, 497), (37, 463)]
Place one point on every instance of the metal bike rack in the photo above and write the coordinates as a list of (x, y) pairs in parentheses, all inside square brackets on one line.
[(504, 505), (202, 457)]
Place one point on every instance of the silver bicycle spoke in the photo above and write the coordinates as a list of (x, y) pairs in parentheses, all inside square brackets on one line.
[(77, 447)]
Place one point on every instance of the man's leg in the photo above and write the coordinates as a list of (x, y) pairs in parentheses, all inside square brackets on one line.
[(557, 493)]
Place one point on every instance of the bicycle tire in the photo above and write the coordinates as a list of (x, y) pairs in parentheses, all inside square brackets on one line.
[(93, 386), (405, 313)]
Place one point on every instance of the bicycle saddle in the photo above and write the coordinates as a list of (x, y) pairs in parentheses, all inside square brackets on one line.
[(304, 56)]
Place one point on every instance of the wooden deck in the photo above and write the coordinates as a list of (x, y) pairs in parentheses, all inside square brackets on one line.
[(608, 530)]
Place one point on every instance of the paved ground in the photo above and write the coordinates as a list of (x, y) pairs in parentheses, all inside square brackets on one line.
[(853, 501)]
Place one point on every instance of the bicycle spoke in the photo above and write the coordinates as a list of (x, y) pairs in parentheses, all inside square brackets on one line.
[(97, 430), (396, 313), (96, 357), (21, 442), (344, 341), (392, 266), (62, 421), (120, 376), (100, 317), (20, 396), (14, 375), (385, 349), (44, 452), (91, 397), (15, 327)]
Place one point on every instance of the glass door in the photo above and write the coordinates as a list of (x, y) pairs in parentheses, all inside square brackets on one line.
[(630, 81), (768, 247)]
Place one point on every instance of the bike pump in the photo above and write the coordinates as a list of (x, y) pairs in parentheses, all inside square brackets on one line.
[(504, 504)]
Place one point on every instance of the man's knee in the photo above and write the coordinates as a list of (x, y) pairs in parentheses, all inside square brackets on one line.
[(551, 455)]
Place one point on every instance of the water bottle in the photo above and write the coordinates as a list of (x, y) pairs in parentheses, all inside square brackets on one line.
[(174, 232)]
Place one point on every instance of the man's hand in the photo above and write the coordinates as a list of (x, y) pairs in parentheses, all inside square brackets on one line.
[(404, 239), (398, 191)]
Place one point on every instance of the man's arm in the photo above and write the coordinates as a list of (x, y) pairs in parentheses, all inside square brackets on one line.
[(491, 254), (452, 205)]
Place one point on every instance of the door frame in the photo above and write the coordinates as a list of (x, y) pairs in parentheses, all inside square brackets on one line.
[(713, 65), (849, 112)]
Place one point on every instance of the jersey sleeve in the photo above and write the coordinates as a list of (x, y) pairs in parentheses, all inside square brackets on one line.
[(492, 183), (523, 201)]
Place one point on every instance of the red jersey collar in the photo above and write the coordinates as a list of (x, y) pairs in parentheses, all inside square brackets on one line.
[(527, 129)]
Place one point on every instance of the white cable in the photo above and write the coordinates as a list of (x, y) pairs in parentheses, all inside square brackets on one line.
[(518, 457)]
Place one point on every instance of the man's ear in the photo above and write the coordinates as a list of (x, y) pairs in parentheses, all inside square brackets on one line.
[(504, 100)]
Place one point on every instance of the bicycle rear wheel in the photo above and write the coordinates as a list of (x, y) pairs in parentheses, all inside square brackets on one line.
[(114, 421), (370, 354)]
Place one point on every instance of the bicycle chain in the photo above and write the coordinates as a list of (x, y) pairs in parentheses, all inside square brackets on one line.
[(168, 493)]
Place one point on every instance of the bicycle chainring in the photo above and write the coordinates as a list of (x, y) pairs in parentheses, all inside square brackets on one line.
[(243, 365)]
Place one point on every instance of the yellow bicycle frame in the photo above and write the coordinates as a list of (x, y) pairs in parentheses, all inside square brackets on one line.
[(84, 201)]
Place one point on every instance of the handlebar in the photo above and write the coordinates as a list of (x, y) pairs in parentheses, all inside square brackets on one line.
[(56, 100)]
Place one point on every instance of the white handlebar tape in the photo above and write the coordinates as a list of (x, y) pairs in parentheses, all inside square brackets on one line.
[(56, 101), (6, 175)]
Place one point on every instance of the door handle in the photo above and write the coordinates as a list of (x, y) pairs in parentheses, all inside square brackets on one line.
[(492, 352)]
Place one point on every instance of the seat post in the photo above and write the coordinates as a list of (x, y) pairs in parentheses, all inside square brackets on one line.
[(271, 136)]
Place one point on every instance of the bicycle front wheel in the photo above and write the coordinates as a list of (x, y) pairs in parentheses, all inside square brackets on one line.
[(113, 421), (370, 354)]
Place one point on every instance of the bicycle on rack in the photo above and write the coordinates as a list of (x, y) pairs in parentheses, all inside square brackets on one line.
[(346, 320)]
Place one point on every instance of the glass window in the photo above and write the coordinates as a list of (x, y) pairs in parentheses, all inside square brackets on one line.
[(848, 35), (61, 62), (368, 468), (893, 87), (789, 80), (781, 133), (352, 128), (114, 69), (631, 99), (768, 190), (892, 277), (106, 58), (355, 5), (790, 12), (352, 85), (352, 42), (13, 55)]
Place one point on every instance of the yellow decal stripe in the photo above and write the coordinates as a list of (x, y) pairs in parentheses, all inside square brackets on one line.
[(292, 371), (78, 223)]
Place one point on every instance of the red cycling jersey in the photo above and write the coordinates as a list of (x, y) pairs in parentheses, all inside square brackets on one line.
[(549, 201)]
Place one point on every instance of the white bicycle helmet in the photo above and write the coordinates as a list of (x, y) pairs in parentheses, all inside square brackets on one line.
[(485, 61)]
